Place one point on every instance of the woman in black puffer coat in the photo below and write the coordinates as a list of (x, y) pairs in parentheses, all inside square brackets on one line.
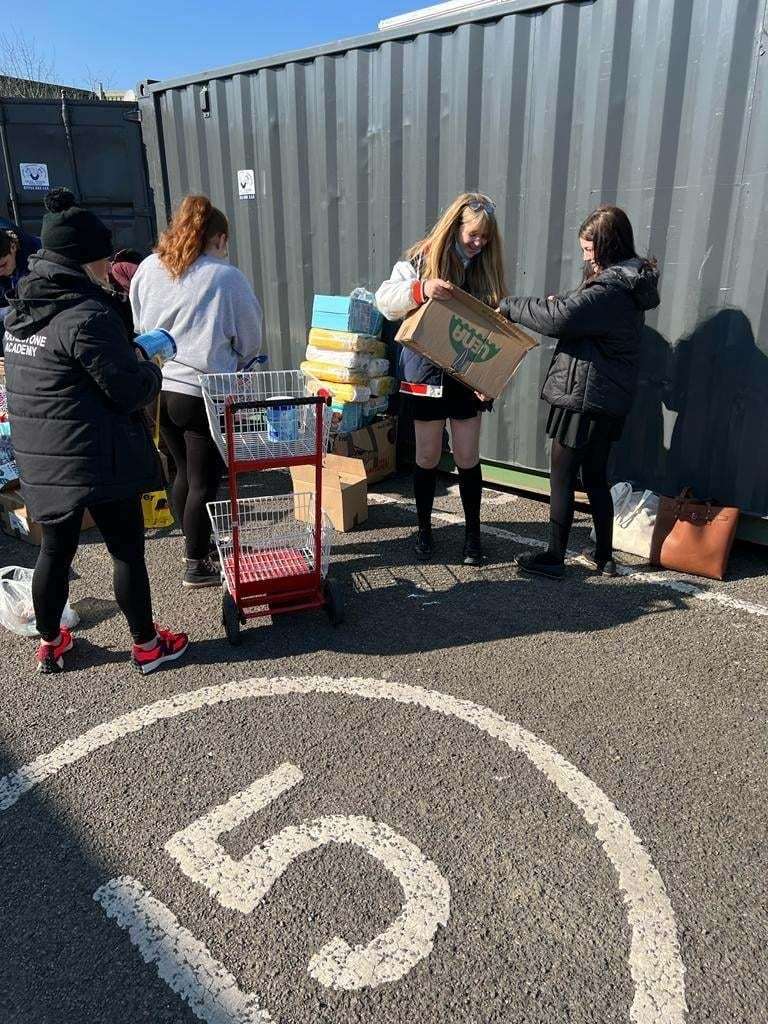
[(592, 379), (75, 394)]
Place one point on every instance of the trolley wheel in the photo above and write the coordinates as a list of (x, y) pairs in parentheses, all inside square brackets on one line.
[(232, 618), (334, 601)]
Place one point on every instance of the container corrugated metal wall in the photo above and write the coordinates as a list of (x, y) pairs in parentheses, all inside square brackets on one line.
[(92, 147), (658, 105)]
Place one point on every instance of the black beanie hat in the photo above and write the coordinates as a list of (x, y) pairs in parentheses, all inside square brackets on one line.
[(69, 231)]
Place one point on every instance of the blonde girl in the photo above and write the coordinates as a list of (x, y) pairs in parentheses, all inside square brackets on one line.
[(462, 250)]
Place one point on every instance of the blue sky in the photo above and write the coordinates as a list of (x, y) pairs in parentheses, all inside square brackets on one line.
[(122, 43)]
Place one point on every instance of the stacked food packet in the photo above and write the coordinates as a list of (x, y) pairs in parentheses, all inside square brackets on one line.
[(352, 367)]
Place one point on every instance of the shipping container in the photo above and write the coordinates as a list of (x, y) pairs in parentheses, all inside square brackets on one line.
[(330, 161), (92, 147)]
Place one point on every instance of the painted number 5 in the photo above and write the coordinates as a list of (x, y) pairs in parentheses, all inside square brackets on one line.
[(242, 884)]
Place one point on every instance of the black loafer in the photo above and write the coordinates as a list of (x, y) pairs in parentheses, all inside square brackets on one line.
[(424, 547), (473, 551), (534, 565), (606, 567)]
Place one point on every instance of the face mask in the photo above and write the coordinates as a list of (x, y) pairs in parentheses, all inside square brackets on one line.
[(97, 280), (464, 255)]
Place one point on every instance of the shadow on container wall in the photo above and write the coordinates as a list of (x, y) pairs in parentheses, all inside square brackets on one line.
[(699, 419)]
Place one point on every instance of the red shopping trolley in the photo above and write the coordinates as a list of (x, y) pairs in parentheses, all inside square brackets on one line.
[(274, 550)]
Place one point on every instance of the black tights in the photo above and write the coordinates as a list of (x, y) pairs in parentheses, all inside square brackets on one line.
[(199, 467), (592, 460), (121, 524)]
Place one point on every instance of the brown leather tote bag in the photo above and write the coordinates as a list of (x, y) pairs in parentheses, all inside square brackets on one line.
[(693, 536)]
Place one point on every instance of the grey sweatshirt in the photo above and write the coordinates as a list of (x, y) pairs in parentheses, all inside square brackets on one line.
[(211, 312)]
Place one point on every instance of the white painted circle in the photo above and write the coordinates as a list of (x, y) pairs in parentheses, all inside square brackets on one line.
[(654, 958)]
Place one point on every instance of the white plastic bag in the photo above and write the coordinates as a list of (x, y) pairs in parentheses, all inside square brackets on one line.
[(16, 611), (634, 517)]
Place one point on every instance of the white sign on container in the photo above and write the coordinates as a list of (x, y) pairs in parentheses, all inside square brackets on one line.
[(34, 177), (246, 184)]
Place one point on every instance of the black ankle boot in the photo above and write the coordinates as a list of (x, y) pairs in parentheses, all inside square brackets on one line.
[(604, 566), (424, 547), (473, 550), (542, 564)]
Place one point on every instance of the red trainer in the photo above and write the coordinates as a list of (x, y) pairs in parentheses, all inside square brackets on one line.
[(169, 647), (50, 657)]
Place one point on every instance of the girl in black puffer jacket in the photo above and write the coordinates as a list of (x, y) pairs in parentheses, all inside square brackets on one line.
[(75, 395), (592, 379)]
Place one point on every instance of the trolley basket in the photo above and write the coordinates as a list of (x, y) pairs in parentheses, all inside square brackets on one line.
[(267, 434), (276, 545)]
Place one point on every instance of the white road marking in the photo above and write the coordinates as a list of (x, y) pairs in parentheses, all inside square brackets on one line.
[(671, 581), (655, 963), (183, 962), (242, 885), (490, 497)]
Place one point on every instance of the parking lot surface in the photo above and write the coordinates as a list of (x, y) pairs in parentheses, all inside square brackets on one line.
[(483, 798)]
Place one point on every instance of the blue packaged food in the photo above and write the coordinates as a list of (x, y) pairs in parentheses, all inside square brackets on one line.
[(343, 313), (282, 421)]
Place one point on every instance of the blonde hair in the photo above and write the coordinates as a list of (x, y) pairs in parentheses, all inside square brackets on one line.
[(193, 225), (437, 257)]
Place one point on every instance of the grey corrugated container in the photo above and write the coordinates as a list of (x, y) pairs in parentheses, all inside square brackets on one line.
[(658, 105)]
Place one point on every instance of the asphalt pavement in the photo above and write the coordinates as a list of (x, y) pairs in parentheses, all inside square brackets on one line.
[(483, 798)]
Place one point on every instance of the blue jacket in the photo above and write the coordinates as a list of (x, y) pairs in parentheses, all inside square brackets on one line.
[(28, 244), (395, 299)]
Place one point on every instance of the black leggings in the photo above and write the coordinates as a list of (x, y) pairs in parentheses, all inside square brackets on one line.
[(199, 467), (592, 460), (121, 524)]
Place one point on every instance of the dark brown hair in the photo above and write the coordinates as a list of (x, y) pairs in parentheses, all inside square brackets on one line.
[(7, 241), (193, 225), (610, 232)]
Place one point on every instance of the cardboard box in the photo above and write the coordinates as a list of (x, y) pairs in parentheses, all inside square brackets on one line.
[(375, 445), (345, 491), (15, 520), (469, 340)]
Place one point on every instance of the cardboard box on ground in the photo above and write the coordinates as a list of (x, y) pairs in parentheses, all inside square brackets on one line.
[(375, 445), (469, 340), (16, 522), (345, 491)]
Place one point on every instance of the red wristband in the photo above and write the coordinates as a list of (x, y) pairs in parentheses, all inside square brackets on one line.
[(417, 292)]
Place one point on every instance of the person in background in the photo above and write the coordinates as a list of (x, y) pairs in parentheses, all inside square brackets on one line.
[(188, 288), (463, 249), (592, 379), (16, 246), (122, 267), (75, 388)]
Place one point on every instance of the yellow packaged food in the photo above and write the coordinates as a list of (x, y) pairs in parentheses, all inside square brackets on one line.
[(381, 386), (337, 374), (341, 392), (156, 510), (343, 341)]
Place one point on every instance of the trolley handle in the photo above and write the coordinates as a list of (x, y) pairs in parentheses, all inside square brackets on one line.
[(230, 402)]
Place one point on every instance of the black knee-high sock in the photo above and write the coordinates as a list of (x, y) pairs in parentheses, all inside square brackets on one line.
[(471, 491), (424, 481), (558, 542)]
